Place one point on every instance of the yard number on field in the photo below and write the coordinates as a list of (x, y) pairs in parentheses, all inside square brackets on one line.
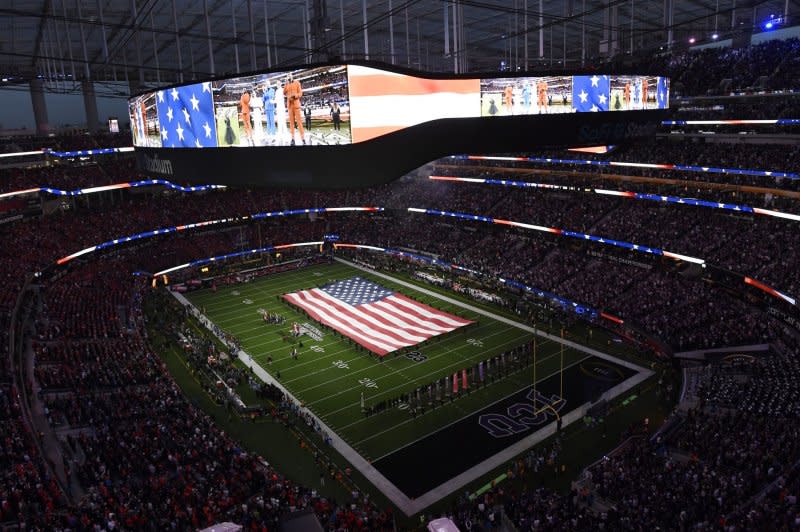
[(416, 356), (475, 342), (317, 348), (341, 364), (369, 383)]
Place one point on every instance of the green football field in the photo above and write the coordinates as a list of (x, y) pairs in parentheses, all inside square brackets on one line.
[(330, 375)]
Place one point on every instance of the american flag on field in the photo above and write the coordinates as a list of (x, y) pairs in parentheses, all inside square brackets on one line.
[(373, 316), (591, 93), (186, 116)]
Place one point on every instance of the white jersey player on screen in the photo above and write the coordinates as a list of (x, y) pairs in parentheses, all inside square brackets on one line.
[(257, 110), (280, 115), (637, 93), (140, 125)]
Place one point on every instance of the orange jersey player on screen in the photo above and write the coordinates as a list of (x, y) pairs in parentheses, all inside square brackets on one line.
[(293, 91), (143, 117), (508, 98), (626, 95), (644, 93), (541, 89), (244, 103)]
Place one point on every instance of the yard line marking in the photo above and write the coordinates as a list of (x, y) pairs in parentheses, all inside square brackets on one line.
[(458, 363), (246, 289), (391, 374), (369, 367), (372, 366), (431, 358), (360, 420), (317, 359), (360, 357)]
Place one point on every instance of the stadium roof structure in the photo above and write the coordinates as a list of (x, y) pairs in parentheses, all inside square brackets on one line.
[(130, 45)]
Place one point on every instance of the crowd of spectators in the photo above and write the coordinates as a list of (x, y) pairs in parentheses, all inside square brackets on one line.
[(139, 455), (97, 375), (701, 72), (583, 272), (661, 151), (584, 180), (27, 486), (713, 472), (542, 260), (714, 235), (64, 141), (760, 386), (681, 311), (730, 463), (66, 176), (763, 107), (94, 373)]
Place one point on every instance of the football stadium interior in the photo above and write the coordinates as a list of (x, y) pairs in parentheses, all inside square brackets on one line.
[(399, 265)]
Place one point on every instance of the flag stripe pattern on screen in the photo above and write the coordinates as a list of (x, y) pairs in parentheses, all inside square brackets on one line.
[(383, 102), (186, 116), (373, 316)]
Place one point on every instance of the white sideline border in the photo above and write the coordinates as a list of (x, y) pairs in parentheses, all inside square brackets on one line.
[(410, 506)]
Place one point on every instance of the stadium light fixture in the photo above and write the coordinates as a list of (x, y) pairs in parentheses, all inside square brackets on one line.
[(692, 40), (772, 22), (715, 36)]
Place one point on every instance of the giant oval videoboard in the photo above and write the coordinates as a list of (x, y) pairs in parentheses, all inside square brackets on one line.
[(362, 110)]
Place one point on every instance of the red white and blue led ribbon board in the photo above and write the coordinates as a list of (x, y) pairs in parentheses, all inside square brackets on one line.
[(359, 124)]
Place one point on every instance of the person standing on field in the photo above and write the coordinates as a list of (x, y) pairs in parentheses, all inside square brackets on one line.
[(293, 92)]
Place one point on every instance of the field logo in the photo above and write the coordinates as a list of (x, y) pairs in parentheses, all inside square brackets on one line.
[(416, 356), (311, 331), (341, 364), (247, 301), (523, 416), (317, 348), (474, 342), (369, 383)]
